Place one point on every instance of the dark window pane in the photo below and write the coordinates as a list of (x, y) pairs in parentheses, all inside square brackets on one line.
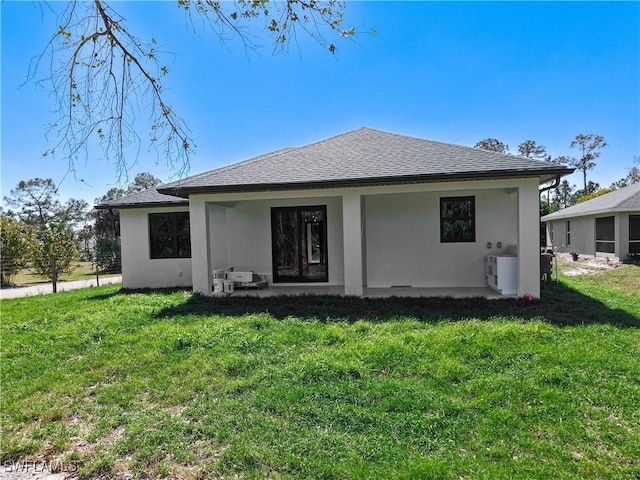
[(182, 224), (634, 227), (159, 223), (605, 229), (184, 246), (457, 219), (169, 235), (634, 247), (605, 247), (162, 246)]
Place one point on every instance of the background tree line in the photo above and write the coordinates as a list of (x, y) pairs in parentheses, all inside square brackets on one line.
[(589, 147), (40, 231)]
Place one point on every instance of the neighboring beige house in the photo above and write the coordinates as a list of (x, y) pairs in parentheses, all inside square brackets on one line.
[(356, 213), (605, 226)]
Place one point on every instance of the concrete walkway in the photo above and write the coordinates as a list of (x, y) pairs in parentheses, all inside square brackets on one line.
[(46, 288)]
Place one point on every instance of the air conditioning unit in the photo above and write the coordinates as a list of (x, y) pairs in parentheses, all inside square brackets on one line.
[(501, 272)]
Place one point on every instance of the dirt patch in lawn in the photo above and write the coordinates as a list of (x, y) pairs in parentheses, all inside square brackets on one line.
[(587, 265)]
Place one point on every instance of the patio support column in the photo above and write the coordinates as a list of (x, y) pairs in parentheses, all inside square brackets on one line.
[(352, 231), (200, 257), (528, 239)]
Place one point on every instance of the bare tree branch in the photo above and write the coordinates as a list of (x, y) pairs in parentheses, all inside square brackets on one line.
[(103, 76)]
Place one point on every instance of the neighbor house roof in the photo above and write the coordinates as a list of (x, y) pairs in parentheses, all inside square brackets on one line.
[(147, 198), (625, 199), (362, 157)]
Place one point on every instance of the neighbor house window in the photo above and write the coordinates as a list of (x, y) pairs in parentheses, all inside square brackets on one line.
[(605, 235), (634, 234), (169, 235), (568, 232), (457, 219)]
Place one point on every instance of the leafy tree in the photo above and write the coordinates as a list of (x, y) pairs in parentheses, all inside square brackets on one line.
[(493, 145), (592, 188), (596, 194), (85, 234), (35, 200), (141, 182), (55, 251), (545, 208), (632, 177), (107, 222), (563, 195), (74, 213), (589, 146), (530, 149), (103, 75), (107, 254), (16, 245), (54, 247), (37, 204)]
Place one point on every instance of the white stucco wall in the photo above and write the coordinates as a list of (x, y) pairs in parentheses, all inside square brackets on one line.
[(403, 239), (528, 239), (138, 269), (240, 234)]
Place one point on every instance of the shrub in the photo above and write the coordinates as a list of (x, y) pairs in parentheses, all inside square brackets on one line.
[(16, 246), (633, 258), (107, 255), (55, 251)]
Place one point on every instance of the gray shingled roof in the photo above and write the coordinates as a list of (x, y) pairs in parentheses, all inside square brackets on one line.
[(147, 198), (362, 157), (625, 199)]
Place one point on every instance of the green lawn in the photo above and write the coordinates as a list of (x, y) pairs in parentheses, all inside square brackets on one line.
[(82, 271), (162, 386)]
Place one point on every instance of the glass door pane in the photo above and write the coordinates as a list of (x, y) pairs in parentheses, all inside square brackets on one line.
[(314, 267), (286, 241), (299, 242)]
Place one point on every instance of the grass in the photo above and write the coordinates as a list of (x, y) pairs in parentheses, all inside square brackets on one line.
[(618, 288), (83, 271), (157, 385)]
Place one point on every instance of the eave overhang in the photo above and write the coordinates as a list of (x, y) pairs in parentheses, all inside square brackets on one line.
[(544, 176), (123, 206)]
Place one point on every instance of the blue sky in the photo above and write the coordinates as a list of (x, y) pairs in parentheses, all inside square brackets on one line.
[(450, 71)]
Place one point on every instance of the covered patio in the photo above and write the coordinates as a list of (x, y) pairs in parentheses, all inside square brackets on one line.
[(371, 241)]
